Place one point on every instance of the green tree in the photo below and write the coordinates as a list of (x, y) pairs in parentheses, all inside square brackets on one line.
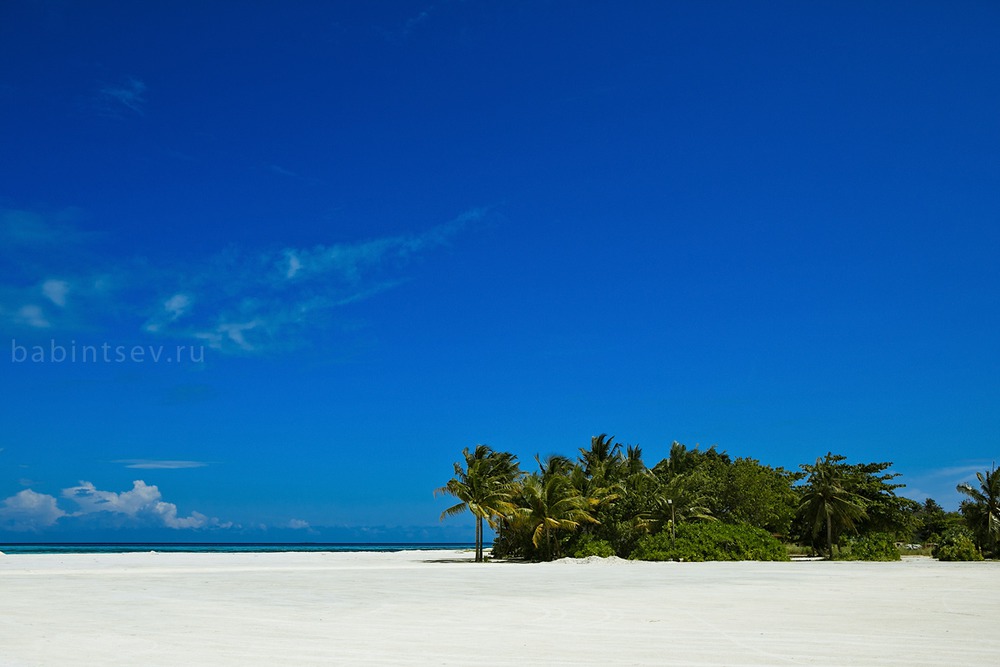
[(485, 486), (683, 460), (982, 509), (757, 495), (603, 462), (932, 521), (548, 507), (826, 501), (680, 500), (886, 512)]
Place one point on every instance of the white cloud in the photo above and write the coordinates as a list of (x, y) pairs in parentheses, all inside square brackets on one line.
[(177, 305), (298, 524), (170, 311), (29, 510), (56, 291), (227, 334), (142, 502), (234, 301), (294, 264), (32, 315)]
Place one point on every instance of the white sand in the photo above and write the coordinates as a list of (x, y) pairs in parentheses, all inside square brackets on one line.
[(405, 608)]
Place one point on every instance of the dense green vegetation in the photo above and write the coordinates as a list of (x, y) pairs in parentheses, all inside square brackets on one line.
[(874, 546), (957, 544), (701, 504), (711, 541), (982, 511)]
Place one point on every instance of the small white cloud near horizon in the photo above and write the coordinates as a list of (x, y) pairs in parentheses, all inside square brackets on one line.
[(142, 502), (156, 464), (29, 510), (298, 524)]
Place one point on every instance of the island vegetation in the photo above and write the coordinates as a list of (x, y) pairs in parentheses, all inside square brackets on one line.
[(702, 504)]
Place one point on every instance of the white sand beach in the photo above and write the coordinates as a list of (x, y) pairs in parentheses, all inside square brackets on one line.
[(412, 608)]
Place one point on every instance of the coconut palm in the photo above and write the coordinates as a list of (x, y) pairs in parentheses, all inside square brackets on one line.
[(680, 499), (549, 506), (485, 486), (827, 502), (982, 510), (604, 458), (553, 464), (633, 460)]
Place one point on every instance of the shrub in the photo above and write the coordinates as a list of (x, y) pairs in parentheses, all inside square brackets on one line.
[(588, 545), (874, 546), (957, 544), (711, 541)]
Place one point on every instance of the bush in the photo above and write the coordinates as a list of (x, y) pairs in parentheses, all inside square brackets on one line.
[(711, 541), (957, 544), (588, 545), (874, 546)]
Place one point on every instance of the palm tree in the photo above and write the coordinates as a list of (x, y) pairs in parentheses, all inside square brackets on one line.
[(633, 460), (553, 464), (678, 500), (603, 459), (551, 505), (982, 510), (485, 486), (827, 502)]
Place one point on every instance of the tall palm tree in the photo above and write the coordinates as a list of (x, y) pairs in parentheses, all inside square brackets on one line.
[(827, 502), (553, 464), (633, 460), (603, 459), (485, 486), (550, 506), (982, 510)]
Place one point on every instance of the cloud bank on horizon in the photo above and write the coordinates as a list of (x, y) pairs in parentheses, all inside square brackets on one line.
[(142, 505)]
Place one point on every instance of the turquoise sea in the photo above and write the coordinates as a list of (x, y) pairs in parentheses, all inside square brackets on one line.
[(204, 547)]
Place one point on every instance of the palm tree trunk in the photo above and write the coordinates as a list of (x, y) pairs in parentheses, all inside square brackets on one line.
[(829, 536), (479, 539)]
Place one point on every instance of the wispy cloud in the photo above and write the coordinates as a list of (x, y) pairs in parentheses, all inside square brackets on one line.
[(51, 274), (32, 315), (154, 464), (127, 96), (236, 301), (288, 173), (56, 291), (247, 302), (940, 483)]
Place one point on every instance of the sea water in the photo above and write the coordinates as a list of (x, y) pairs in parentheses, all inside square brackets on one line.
[(204, 547)]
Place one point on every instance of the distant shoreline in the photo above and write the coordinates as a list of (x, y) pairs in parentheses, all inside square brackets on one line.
[(15, 548)]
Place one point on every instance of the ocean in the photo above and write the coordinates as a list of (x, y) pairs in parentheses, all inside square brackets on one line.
[(205, 547)]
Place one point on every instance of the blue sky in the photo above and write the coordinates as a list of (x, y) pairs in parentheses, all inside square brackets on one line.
[(387, 231)]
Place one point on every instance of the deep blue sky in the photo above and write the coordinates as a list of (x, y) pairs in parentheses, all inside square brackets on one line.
[(401, 229)]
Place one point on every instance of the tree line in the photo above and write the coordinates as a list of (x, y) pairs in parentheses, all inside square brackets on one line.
[(703, 504)]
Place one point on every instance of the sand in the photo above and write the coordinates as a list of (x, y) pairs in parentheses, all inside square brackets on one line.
[(412, 608)]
